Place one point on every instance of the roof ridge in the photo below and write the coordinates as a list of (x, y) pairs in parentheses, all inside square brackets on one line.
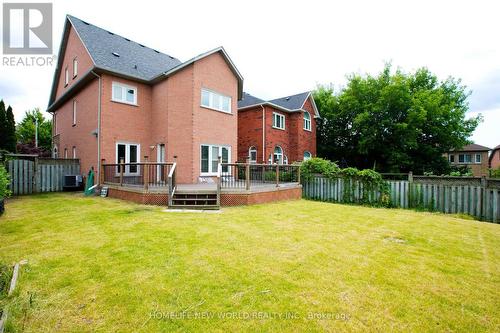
[(288, 96), (117, 35)]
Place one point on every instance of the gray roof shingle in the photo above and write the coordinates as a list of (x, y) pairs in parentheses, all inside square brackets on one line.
[(134, 59), (293, 102), (473, 147), (248, 100)]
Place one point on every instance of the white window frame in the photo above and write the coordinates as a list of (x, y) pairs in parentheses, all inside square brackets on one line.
[(210, 158), (250, 150), (476, 160), (123, 88), (75, 67), (450, 157), (66, 76), (212, 95), (74, 151), (65, 152), (307, 122), (282, 117), (282, 154), (127, 145), (74, 112), (307, 158)]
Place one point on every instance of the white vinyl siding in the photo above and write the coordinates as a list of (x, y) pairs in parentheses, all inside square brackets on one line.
[(124, 94), (210, 158), (278, 120), (216, 101)]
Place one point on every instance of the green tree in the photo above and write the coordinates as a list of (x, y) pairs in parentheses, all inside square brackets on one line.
[(394, 121), (11, 139), (3, 126), (25, 130)]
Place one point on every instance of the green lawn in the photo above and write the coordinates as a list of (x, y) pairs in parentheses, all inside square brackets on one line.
[(107, 265)]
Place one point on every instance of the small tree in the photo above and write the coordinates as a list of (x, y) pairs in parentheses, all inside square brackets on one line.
[(3, 126), (4, 183), (26, 130), (11, 139)]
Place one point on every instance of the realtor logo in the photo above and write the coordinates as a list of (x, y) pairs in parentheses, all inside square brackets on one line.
[(27, 28)]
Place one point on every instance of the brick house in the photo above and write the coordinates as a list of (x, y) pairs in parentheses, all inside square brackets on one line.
[(281, 130), (113, 99), (494, 159), (472, 156)]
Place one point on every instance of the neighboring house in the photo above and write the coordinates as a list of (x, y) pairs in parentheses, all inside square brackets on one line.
[(113, 98), (281, 130), (472, 156), (495, 158)]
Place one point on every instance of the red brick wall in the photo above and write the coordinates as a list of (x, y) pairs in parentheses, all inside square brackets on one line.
[(74, 49), (495, 160), (294, 140), (79, 135), (250, 133)]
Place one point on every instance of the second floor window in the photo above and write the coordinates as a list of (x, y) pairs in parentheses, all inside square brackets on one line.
[(124, 94), (307, 121), (464, 158), (75, 67), (66, 76), (278, 121), (74, 113), (478, 158), (213, 100)]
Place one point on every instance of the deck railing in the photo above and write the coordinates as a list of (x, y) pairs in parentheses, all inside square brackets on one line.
[(148, 175), (248, 175), (171, 183)]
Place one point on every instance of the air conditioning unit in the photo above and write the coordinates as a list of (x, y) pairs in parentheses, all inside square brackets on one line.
[(73, 183)]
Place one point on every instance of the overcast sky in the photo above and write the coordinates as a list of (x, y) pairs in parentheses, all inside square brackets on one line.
[(286, 47)]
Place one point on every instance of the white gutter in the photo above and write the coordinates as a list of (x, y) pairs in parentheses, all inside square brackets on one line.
[(263, 134), (98, 126)]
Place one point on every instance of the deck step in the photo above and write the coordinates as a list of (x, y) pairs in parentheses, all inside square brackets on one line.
[(195, 200), (200, 207)]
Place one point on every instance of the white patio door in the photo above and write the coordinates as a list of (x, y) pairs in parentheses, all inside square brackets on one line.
[(161, 158)]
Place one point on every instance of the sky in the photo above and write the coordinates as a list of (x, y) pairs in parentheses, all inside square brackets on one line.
[(286, 47)]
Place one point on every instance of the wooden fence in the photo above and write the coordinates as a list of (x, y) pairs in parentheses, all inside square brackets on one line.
[(40, 175), (442, 195)]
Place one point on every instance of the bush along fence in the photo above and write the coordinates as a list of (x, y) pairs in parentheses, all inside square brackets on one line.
[(479, 197)]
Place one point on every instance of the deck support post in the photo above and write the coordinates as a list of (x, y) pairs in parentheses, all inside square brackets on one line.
[(247, 175), (145, 173), (122, 168), (101, 174), (277, 175)]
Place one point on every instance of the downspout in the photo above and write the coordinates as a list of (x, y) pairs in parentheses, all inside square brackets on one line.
[(98, 127), (263, 134)]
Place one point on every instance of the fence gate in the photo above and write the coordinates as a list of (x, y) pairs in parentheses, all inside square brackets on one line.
[(40, 175)]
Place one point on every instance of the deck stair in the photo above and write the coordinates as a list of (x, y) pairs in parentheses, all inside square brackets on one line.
[(194, 199)]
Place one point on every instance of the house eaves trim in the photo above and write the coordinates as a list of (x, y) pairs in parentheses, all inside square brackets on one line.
[(85, 78), (278, 108)]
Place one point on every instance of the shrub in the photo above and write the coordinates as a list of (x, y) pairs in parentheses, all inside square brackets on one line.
[(4, 183), (318, 165), (495, 173)]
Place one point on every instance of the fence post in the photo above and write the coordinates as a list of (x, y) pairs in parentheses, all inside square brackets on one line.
[(482, 198), (411, 199), (298, 176), (247, 174), (101, 175), (145, 173), (277, 175), (122, 167)]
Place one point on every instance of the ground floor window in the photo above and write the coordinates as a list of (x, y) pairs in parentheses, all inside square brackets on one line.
[(128, 152), (278, 156), (252, 154), (210, 158), (307, 155)]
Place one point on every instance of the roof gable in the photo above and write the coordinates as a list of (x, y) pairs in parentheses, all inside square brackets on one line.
[(290, 103)]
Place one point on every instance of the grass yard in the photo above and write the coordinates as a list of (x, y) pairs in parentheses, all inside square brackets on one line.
[(110, 266)]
